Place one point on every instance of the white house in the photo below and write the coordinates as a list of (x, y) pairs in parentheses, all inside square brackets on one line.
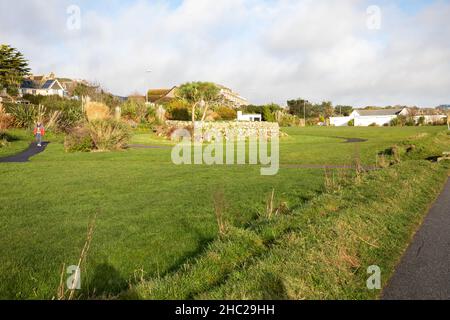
[(48, 88), (248, 117), (365, 118)]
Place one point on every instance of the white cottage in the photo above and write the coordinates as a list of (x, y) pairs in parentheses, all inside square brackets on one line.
[(365, 118), (48, 88)]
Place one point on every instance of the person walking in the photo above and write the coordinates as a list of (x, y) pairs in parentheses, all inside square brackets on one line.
[(39, 132)]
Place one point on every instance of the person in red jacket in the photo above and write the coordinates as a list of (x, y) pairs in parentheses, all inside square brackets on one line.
[(39, 132)]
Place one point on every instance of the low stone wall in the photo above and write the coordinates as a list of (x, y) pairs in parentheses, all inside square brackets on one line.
[(231, 128)]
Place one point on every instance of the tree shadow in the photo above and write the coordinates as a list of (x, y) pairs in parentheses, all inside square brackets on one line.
[(272, 287), (104, 282)]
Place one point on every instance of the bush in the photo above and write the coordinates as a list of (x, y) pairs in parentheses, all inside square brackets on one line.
[(135, 110), (101, 135), (24, 116), (6, 120), (70, 111), (78, 140), (399, 121), (226, 113), (373, 124), (351, 123), (421, 121), (109, 134), (97, 111), (178, 110)]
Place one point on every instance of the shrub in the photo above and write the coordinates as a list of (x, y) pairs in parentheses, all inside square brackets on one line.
[(78, 140), (421, 121), (6, 120), (226, 113), (108, 134), (351, 123), (178, 110), (373, 124), (399, 121), (97, 111), (135, 110), (24, 116)]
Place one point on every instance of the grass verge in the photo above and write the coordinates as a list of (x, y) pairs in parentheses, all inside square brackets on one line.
[(319, 251)]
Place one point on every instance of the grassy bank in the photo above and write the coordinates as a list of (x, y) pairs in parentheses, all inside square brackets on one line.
[(321, 250)]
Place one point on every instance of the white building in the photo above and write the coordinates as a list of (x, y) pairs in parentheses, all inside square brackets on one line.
[(48, 88), (234, 98), (248, 117), (365, 118)]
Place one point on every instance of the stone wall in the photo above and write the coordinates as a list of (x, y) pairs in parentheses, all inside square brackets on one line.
[(231, 128)]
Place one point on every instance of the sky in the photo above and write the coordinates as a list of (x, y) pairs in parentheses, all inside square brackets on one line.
[(350, 52)]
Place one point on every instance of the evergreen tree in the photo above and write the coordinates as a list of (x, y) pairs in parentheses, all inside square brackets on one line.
[(13, 68)]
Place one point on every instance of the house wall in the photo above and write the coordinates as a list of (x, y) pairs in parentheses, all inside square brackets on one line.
[(42, 92), (340, 121), (248, 117), (430, 119), (368, 120)]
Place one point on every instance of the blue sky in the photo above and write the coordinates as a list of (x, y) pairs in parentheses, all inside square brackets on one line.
[(269, 51)]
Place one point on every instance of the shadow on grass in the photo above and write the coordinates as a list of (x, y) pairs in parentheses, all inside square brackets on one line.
[(105, 282), (272, 287)]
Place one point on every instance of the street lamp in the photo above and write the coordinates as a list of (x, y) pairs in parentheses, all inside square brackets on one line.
[(304, 111), (146, 91)]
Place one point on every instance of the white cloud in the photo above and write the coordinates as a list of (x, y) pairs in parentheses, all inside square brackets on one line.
[(266, 50)]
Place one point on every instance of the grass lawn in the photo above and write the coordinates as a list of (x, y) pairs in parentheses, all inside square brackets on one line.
[(19, 140), (152, 216)]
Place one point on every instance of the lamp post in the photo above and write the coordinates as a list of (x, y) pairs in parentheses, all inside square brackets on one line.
[(146, 91), (304, 111)]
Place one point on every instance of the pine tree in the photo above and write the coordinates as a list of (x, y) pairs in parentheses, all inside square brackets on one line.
[(13, 68)]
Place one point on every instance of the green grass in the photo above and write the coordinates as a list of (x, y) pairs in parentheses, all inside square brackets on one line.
[(18, 140), (155, 216)]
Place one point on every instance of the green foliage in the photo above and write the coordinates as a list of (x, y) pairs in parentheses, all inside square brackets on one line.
[(351, 123), (399, 121), (78, 140), (178, 110), (421, 121), (345, 111), (226, 113), (289, 120), (135, 110), (24, 115), (193, 92), (302, 108), (13, 68), (196, 93), (109, 134), (267, 111)]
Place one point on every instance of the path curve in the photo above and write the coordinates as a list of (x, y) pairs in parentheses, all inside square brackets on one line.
[(352, 140), (25, 155), (424, 271)]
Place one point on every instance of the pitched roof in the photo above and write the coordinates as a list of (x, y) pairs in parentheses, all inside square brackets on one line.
[(381, 112), (155, 95)]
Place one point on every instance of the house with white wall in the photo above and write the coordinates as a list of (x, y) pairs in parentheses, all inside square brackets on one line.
[(365, 118), (47, 88), (248, 117)]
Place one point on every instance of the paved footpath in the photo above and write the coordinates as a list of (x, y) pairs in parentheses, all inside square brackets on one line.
[(24, 156), (424, 271)]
